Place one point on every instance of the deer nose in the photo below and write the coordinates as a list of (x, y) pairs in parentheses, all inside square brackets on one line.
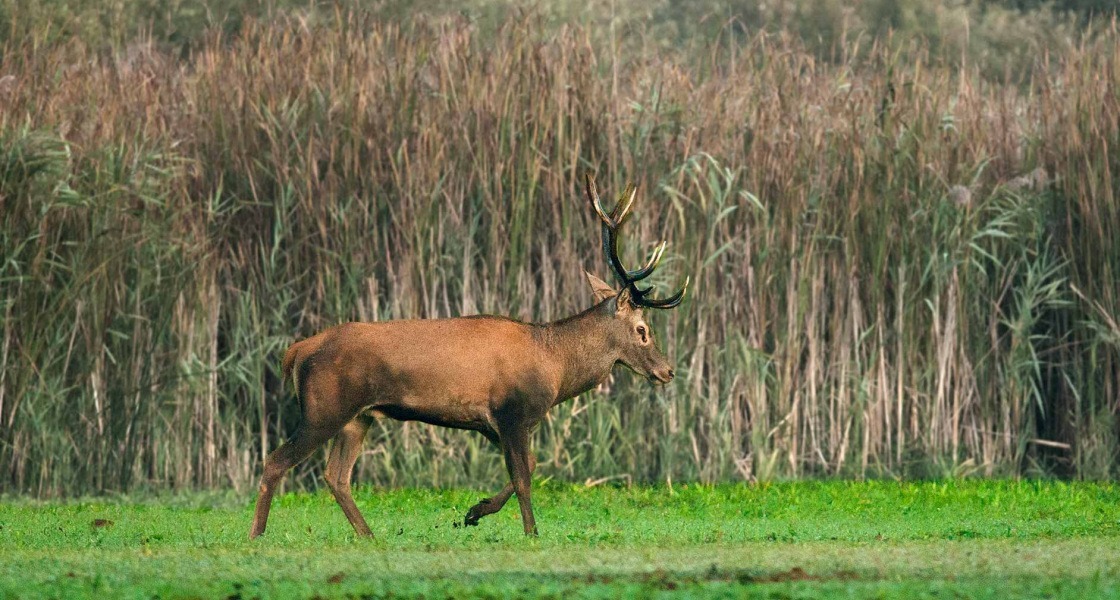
[(661, 376)]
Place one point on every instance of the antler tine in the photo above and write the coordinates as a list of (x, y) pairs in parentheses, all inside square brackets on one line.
[(670, 302), (651, 264), (621, 209), (593, 195), (625, 202)]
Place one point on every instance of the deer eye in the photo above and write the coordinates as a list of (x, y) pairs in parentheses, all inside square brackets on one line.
[(641, 329)]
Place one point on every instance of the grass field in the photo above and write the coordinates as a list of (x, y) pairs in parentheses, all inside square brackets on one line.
[(880, 539)]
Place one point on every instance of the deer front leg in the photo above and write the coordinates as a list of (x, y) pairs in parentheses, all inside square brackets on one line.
[(516, 448), (489, 506)]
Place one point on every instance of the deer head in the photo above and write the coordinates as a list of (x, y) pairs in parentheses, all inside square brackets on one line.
[(627, 327)]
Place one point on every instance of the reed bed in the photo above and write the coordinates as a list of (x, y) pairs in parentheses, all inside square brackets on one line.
[(900, 268)]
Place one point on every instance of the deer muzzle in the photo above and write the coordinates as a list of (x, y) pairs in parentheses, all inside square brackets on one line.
[(662, 376)]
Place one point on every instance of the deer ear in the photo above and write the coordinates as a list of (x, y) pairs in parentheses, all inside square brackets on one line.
[(624, 302), (601, 289)]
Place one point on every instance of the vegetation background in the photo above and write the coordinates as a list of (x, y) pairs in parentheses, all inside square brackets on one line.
[(900, 218)]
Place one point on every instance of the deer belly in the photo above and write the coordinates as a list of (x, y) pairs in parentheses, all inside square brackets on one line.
[(447, 413)]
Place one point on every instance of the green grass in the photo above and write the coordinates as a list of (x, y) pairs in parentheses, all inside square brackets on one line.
[(968, 538)]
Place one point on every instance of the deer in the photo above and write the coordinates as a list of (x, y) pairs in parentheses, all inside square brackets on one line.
[(484, 373)]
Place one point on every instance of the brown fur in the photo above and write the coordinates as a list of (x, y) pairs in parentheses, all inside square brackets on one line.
[(488, 374)]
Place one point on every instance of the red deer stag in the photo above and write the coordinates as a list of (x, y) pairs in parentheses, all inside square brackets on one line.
[(489, 374)]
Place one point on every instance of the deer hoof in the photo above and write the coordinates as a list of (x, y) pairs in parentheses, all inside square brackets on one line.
[(476, 512)]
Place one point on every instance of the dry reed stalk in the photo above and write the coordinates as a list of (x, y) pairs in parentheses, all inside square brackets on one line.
[(855, 313)]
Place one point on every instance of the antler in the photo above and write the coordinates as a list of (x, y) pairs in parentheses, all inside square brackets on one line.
[(611, 225)]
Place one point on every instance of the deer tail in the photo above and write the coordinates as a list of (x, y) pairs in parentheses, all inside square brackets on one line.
[(287, 368)]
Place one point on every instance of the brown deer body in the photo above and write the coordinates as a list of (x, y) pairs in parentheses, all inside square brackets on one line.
[(488, 374)]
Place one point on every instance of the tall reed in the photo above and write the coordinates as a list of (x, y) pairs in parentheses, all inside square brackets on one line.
[(900, 268)]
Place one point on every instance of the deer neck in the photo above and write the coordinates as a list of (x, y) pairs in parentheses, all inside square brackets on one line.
[(583, 353)]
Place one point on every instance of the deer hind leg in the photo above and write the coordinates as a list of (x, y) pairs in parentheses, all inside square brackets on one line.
[(344, 453), (323, 417), (489, 506), (305, 440)]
